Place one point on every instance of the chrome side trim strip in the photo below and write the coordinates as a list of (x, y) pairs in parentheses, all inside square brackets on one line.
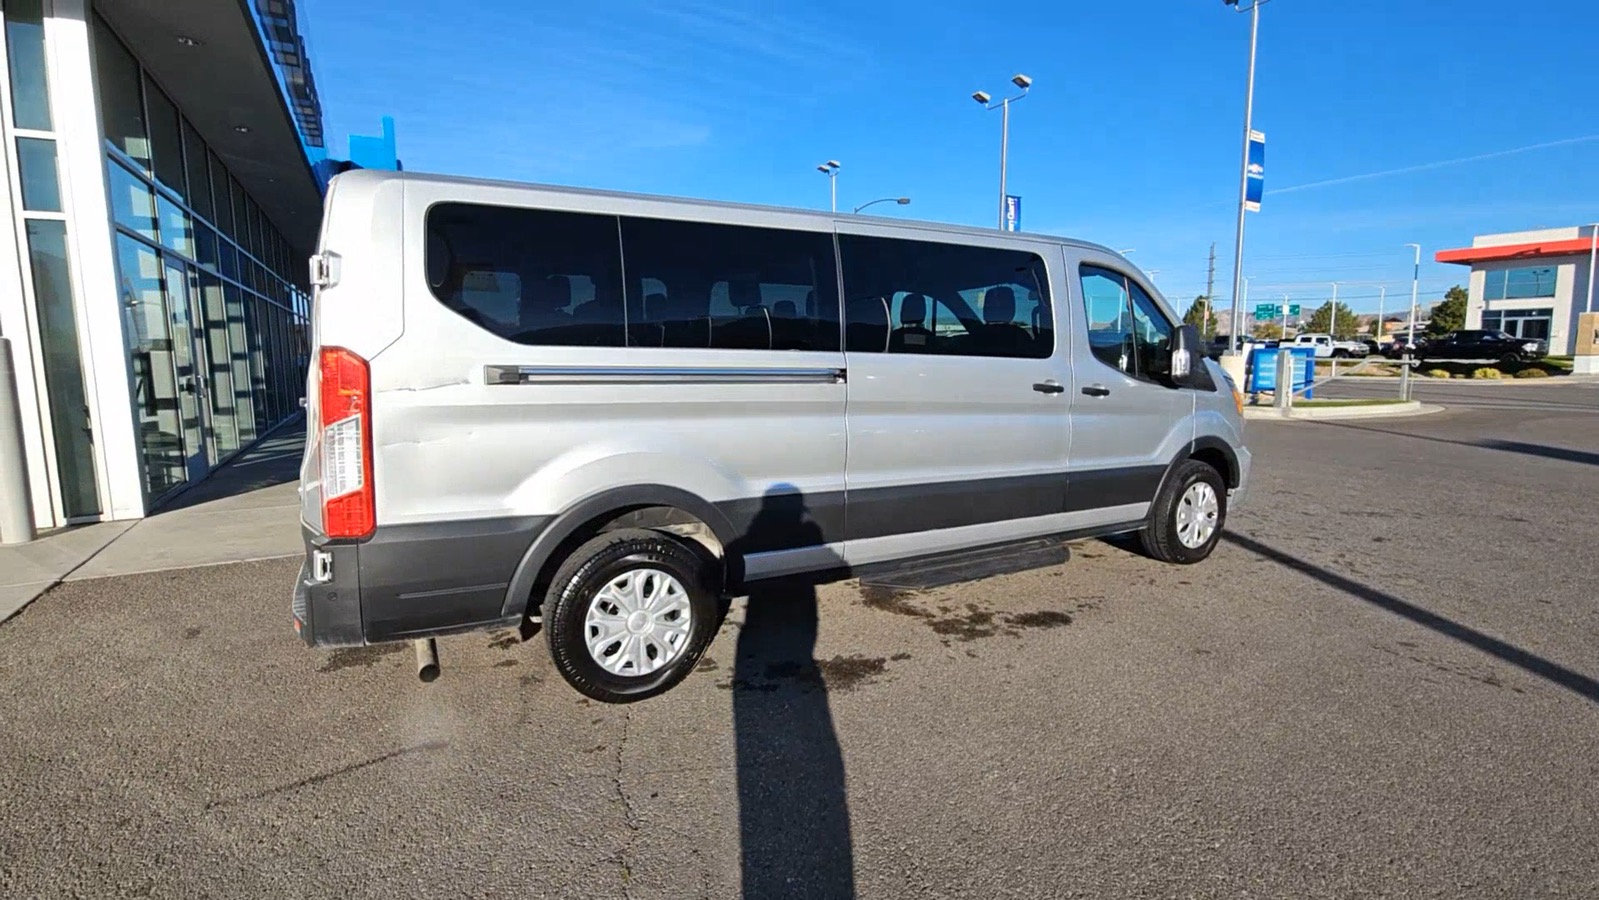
[(659, 375)]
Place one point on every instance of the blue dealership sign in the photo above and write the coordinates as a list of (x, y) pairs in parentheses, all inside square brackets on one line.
[(1263, 369), (1013, 212), (1255, 171)]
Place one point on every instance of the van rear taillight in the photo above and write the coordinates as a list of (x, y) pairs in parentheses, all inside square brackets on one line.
[(345, 418)]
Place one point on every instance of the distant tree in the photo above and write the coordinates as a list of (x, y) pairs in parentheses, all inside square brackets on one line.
[(1201, 315), (1268, 331), (1321, 321), (1449, 315)]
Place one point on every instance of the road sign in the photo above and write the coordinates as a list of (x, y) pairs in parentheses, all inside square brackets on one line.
[(1293, 309), (1265, 312), (1255, 172)]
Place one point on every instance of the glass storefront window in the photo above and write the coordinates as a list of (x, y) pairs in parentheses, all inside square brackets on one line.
[(205, 246), (121, 106), (227, 259), (155, 387), (239, 344), (221, 197), (194, 154), (30, 100), (132, 202), (237, 225), (176, 233), (58, 344), (41, 185), (166, 138), (254, 332), (250, 231), (219, 355)]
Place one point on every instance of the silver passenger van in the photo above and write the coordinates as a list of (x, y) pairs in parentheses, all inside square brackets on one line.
[(600, 413)]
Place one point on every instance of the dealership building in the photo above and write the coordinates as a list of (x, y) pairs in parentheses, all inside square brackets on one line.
[(1532, 284), (163, 179)]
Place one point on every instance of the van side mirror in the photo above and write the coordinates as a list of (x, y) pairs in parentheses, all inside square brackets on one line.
[(1186, 351)]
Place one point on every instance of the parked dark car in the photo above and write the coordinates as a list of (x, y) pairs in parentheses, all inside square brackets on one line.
[(1396, 348), (1475, 344)]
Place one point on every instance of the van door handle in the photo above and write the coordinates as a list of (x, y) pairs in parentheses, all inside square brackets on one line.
[(1096, 390), (1049, 387)]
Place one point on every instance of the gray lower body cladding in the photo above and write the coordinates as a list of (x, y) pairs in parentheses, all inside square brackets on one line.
[(409, 581)]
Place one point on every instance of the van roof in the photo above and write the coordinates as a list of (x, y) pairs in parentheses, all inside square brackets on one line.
[(370, 179)]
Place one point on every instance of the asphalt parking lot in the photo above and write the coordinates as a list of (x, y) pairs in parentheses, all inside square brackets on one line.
[(1385, 683)]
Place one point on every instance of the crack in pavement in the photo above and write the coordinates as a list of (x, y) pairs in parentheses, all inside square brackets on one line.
[(327, 776), (629, 815)]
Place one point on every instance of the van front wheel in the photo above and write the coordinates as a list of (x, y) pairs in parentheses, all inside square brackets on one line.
[(1186, 519), (628, 615)]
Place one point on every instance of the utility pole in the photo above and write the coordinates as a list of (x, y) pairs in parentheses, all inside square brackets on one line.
[(1210, 287)]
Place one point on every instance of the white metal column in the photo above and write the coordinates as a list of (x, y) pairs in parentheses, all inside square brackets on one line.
[(108, 382), (16, 313)]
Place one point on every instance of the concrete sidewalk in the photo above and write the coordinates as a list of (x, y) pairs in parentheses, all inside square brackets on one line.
[(247, 509)]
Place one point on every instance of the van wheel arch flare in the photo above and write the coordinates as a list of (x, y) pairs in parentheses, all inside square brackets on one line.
[(589, 516)]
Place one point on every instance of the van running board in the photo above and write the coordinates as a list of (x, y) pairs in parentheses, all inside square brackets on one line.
[(968, 565)]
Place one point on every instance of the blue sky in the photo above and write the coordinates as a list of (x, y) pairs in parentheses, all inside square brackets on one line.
[(1130, 137)]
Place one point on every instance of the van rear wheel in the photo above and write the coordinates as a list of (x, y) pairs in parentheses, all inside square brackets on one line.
[(1186, 519), (629, 614)]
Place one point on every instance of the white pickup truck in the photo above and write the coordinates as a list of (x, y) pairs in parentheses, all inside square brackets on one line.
[(1329, 347)]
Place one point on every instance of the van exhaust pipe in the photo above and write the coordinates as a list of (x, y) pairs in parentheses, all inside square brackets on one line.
[(427, 659)]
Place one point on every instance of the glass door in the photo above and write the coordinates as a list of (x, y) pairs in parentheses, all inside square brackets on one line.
[(147, 328), (188, 355)]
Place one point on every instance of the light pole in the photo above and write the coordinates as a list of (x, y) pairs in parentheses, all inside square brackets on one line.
[(900, 200), (1593, 251), (1382, 300), (1026, 84), (1332, 318), (1415, 287), (1243, 168), (830, 169), (1236, 321)]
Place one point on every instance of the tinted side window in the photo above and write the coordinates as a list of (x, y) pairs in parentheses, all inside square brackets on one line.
[(1126, 329), (920, 297), (694, 284), (532, 276)]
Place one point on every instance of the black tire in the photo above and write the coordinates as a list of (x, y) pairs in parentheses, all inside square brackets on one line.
[(1510, 359), (587, 570), (1160, 537), (1340, 354)]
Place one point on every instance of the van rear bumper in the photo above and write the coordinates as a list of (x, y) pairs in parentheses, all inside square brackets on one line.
[(410, 581)]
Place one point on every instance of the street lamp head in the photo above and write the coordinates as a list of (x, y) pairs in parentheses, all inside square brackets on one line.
[(982, 97), (903, 201), (1021, 81), (824, 170), (832, 164)]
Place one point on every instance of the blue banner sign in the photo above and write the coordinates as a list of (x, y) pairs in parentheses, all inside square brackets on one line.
[(1263, 368), (1013, 212), (1255, 171)]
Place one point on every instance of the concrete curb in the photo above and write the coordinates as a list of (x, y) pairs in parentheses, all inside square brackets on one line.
[(1385, 411), (1551, 381)]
